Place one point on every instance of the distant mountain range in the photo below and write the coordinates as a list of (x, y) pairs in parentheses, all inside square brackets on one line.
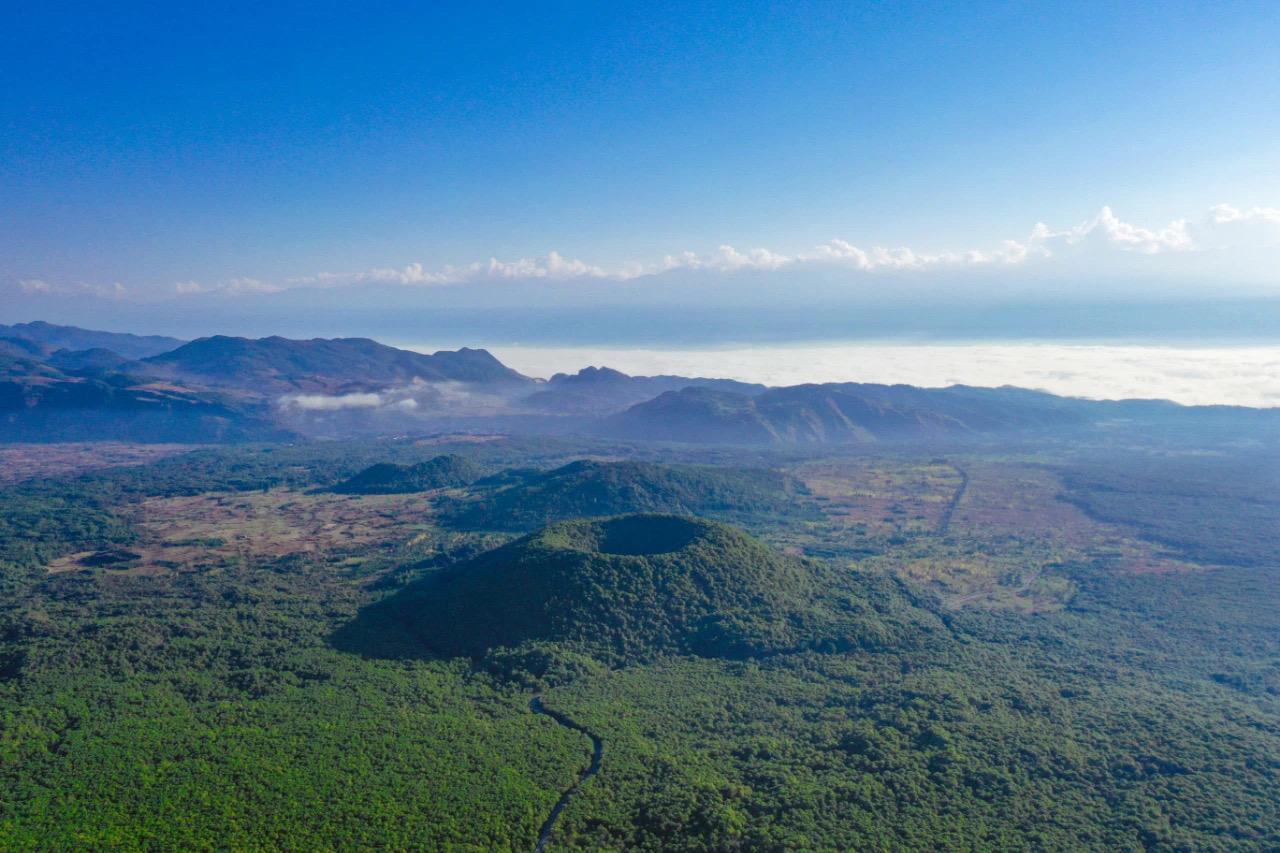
[(61, 383), (52, 338), (600, 390), (839, 413), (280, 365), (40, 402)]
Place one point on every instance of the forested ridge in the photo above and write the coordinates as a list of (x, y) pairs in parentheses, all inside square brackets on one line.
[(528, 500)]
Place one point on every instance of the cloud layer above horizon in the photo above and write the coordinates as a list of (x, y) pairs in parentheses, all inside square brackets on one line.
[(1227, 240)]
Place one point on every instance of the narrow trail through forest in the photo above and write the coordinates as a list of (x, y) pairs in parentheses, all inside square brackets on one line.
[(597, 755)]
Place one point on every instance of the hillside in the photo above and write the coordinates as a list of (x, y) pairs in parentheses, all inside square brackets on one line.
[(80, 396), (602, 390), (280, 365), (387, 478), (622, 589), (529, 500), (97, 360), (56, 337), (19, 366), (846, 413), (694, 415), (23, 348), (40, 403)]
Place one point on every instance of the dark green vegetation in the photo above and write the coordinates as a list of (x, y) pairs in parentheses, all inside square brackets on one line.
[(205, 707), (1212, 509), (631, 588), (375, 692), (527, 500), (388, 478)]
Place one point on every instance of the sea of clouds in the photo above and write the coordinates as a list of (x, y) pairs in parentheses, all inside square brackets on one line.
[(1235, 375)]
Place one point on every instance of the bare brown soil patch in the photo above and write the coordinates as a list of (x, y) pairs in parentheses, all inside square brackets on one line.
[(1007, 532), (221, 528), (882, 495)]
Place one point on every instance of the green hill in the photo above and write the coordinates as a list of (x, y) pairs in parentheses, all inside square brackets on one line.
[(589, 488), (634, 587), (621, 589), (387, 478)]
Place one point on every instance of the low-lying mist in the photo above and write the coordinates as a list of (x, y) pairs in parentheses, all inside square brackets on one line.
[(1192, 375)]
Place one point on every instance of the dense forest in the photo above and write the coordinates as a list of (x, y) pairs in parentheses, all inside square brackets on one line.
[(851, 673), (529, 500), (388, 478)]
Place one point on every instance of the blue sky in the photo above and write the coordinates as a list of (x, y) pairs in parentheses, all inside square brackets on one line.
[(156, 152)]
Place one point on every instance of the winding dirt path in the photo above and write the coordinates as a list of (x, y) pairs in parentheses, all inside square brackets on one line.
[(597, 755)]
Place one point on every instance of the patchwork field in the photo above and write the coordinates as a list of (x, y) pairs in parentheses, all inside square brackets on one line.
[(980, 533), (882, 496), (206, 531), (20, 462)]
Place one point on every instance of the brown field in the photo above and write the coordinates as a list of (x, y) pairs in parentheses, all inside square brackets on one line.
[(220, 528), (1006, 533), (882, 495), (1015, 499), (20, 462)]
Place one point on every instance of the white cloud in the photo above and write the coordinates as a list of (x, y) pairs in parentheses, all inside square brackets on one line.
[(1102, 233), (115, 290), (417, 398), (552, 266), (1243, 376), (1230, 227), (1222, 228), (1106, 230), (905, 258), (327, 403), (727, 259), (1221, 213), (250, 285)]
